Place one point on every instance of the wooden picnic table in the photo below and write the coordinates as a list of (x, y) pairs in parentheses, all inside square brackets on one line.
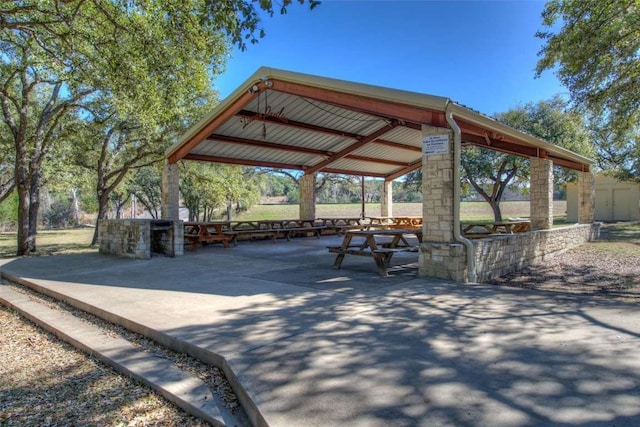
[(395, 221), (206, 232), (503, 227), (380, 251), (340, 225)]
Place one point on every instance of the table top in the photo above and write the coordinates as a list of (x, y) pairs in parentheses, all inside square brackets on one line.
[(386, 232)]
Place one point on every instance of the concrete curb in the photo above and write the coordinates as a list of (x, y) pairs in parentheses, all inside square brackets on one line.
[(205, 356), (186, 391)]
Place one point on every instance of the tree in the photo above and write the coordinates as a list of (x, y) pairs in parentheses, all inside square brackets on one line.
[(206, 187), (35, 104), (58, 53), (490, 172), (596, 55), (145, 186)]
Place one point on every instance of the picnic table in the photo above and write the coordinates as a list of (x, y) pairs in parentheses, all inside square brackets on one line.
[(341, 225), (380, 250), (394, 222), (490, 228), (206, 232)]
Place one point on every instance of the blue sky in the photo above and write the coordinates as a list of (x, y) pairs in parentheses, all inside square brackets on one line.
[(481, 54)]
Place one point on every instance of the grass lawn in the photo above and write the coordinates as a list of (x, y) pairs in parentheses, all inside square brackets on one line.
[(52, 242), (470, 211), (56, 242)]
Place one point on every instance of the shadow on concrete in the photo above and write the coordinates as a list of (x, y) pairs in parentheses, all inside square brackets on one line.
[(317, 346)]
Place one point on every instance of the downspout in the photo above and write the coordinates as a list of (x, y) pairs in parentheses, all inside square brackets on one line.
[(457, 235)]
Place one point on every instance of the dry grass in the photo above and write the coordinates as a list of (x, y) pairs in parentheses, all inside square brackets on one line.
[(46, 382)]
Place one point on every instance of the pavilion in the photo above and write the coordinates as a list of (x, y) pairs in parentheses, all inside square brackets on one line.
[(287, 120)]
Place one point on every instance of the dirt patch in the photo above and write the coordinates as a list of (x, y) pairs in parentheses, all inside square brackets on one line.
[(608, 267)]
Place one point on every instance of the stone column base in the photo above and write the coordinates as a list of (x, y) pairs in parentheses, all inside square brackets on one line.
[(443, 261)]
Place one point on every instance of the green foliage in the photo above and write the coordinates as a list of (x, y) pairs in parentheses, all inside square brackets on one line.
[(594, 47), (207, 188), (552, 121), (145, 184), (489, 172), (132, 71), (9, 209)]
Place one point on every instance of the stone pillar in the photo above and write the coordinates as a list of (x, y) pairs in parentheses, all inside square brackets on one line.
[(440, 255), (586, 200), (386, 202), (541, 193), (308, 196), (170, 192)]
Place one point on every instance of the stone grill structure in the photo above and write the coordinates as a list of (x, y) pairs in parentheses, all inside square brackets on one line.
[(140, 238)]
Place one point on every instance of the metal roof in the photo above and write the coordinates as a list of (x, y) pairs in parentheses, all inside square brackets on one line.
[(282, 119)]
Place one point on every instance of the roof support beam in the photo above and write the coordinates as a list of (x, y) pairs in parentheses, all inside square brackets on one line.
[(354, 173), (569, 164), (397, 174), (242, 162), (251, 115), (384, 109), (498, 145), (265, 144), (374, 160), (218, 121), (398, 145), (521, 150), (294, 124), (362, 141)]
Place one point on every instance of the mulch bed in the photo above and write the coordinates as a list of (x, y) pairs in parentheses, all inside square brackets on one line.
[(608, 267)]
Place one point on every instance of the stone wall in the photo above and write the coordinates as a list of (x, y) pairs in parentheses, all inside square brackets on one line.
[(139, 238), (500, 255)]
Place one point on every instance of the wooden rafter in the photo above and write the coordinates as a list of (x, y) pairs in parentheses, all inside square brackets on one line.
[(498, 145), (270, 145), (377, 107), (398, 145), (295, 124), (375, 160), (353, 172), (401, 172), (362, 141), (320, 129), (242, 162), (218, 121)]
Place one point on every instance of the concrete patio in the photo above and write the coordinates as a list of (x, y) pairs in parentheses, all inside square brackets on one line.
[(314, 346)]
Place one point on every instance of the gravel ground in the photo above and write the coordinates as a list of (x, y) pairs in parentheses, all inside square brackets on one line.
[(47, 382), (608, 267)]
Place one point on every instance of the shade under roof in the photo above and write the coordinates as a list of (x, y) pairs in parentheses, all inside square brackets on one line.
[(281, 119)]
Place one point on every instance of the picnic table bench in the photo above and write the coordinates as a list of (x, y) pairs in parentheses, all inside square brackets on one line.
[(250, 229), (486, 229), (380, 251), (196, 233), (341, 225)]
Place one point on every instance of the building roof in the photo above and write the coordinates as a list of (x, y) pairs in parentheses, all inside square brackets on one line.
[(282, 119)]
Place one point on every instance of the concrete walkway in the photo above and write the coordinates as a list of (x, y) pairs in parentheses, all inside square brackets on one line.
[(313, 346)]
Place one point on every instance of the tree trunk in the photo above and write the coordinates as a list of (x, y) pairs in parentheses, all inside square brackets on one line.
[(34, 206), (229, 209), (75, 207), (495, 207), (23, 243), (103, 204)]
